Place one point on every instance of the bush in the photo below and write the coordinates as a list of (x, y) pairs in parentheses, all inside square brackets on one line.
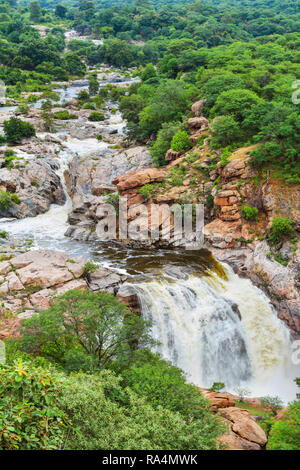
[(217, 387), (64, 115), (285, 433), (281, 227), (181, 142), (93, 402), (15, 130), (163, 384), (146, 190), (95, 116), (7, 198), (249, 212), (272, 403), (29, 415)]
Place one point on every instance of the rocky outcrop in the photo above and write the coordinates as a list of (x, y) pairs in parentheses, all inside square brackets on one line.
[(243, 431), (29, 282), (89, 180), (218, 400), (197, 107), (37, 186)]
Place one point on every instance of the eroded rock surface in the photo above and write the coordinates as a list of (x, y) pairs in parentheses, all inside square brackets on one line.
[(29, 282)]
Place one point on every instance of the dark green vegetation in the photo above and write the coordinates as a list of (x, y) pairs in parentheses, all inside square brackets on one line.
[(241, 57), (80, 352)]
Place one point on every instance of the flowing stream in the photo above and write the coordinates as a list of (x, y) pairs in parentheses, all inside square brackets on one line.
[(214, 325)]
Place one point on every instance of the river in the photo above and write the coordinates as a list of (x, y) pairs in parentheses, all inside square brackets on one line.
[(214, 325)]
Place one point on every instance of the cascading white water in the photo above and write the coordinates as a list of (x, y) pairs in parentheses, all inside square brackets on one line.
[(220, 330)]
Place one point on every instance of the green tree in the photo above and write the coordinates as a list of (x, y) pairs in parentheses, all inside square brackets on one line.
[(61, 11), (225, 131), (35, 11), (163, 142), (47, 115), (95, 324), (93, 85), (237, 102), (148, 72)]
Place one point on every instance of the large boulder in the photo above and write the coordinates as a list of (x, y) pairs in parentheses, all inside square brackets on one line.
[(139, 178), (197, 107), (243, 431), (198, 123), (37, 185)]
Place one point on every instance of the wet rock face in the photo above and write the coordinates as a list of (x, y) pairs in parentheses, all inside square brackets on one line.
[(37, 186), (29, 282)]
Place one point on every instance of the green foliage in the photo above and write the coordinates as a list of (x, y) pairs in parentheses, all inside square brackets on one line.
[(95, 116), (111, 425), (163, 142), (89, 267), (249, 212), (7, 198), (225, 131), (29, 415), (95, 324), (146, 190), (164, 385), (217, 387), (278, 257), (181, 142), (64, 115), (93, 85), (281, 227), (169, 102), (15, 130), (272, 403)]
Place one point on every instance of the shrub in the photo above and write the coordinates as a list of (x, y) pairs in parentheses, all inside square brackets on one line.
[(30, 417), (15, 130), (281, 227), (272, 403), (64, 115), (181, 142), (7, 198), (163, 384), (285, 433), (95, 116), (89, 267), (146, 190), (249, 212), (217, 387), (138, 425)]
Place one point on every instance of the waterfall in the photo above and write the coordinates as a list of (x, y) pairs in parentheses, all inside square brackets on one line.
[(220, 330)]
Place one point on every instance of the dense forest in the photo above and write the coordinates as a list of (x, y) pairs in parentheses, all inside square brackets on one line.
[(241, 60)]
